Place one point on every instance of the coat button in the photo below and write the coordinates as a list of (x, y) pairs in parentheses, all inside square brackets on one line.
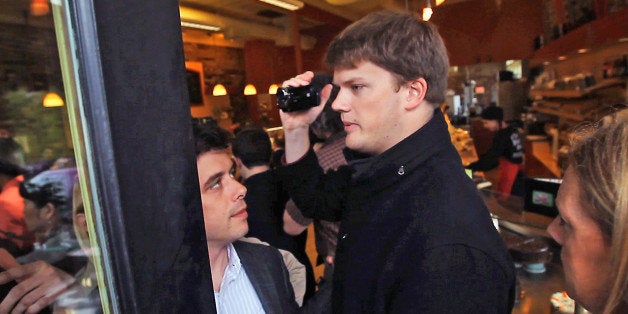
[(344, 236)]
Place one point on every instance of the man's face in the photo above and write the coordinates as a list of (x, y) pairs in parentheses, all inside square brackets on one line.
[(370, 103), (585, 252), (224, 209)]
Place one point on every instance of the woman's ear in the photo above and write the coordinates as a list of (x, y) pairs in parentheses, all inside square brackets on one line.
[(416, 93)]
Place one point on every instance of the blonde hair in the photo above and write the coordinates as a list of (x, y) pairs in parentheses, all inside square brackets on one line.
[(600, 161)]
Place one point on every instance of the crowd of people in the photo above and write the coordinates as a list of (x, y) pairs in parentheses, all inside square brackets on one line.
[(399, 225)]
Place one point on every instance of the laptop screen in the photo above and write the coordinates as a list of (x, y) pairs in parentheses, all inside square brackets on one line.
[(540, 195)]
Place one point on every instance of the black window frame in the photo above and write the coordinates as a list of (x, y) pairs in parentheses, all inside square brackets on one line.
[(134, 109)]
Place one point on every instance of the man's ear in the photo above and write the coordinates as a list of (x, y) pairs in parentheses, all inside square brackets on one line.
[(416, 93)]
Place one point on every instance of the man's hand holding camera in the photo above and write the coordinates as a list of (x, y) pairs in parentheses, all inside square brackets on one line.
[(296, 123)]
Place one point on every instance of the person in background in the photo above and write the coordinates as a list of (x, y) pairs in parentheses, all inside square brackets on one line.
[(41, 275), (14, 236), (247, 277), (506, 152), (10, 149), (266, 198), (48, 214), (329, 128), (278, 149), (415, 236), (82, 295), (592, 225)]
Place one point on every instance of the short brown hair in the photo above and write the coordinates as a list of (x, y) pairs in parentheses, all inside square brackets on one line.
[(399, 42)]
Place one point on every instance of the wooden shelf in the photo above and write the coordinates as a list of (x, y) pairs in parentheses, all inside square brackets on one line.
[(578, 93), (580, 110), (573, 104)]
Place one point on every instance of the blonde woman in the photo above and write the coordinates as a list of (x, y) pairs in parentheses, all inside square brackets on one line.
[(592, 225)]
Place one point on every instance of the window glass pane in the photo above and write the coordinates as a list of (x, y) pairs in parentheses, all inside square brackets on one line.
[(42, 216)]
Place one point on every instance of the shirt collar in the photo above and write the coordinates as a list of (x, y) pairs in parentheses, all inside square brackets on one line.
[(234, 266)]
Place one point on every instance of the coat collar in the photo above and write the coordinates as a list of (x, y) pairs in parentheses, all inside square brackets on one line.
[(405, 156)]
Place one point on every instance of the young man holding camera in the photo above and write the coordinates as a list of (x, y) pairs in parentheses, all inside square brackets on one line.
[(415, 236)]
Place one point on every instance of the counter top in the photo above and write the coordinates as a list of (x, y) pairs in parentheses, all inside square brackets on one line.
[(515, 222), (511, 215)]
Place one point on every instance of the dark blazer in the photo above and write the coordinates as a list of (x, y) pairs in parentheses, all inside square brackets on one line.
[(265, 268), (415, 235)]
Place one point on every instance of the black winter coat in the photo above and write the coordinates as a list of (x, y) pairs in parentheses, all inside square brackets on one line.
[(415, 235)]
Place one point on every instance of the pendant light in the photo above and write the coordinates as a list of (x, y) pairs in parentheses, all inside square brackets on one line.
[(427, 11), (219, 90), (250, 90), (53, 100), (273, 89), (39, 7)]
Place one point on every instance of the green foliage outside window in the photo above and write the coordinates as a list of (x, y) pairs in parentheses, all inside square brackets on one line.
[(41, 131)]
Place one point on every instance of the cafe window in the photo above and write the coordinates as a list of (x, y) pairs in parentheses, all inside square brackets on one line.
[(39, 136), (87, 92)]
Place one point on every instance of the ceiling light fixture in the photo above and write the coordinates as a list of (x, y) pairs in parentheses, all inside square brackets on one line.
[(291, 5), (53, 99), (427, 11), (250, 90), (39, 7), (201, 26), (272, 89), (219, 90)]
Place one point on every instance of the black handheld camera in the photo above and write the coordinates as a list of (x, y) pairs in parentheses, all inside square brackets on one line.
[(301, 98)]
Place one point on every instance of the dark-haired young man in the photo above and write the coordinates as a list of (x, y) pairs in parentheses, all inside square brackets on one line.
[(247, 277), (415, 236), (266, 199)]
